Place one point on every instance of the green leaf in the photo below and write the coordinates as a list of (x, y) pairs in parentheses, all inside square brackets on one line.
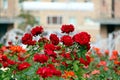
[(1, 45), (62, 67), (68, 61), (36, 78), (75, 67)]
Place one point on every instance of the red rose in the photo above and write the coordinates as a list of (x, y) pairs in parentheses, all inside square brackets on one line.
[(67, 40), (88, 46), (51, 66), (23, 66), (85, 62), (54, 60), (67, 28), (27, 39), (82, 38), (48, 72), (49, 47), (56, 72), (44, 72), (43, 39), (54, 39), (21, 58), (11, 62), (4, 58), (5, 64), (37, 30), (66, 55), (57, 47), (50, 53), (31, 42), (40, 58)]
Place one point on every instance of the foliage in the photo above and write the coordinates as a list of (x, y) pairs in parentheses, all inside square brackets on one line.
[(103, 65)]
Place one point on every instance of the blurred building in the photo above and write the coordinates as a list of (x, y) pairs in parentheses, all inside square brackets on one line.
[(53, 13), (8, 12), (98, 17)]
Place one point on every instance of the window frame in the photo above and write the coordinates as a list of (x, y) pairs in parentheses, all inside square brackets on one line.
[(56, 20)]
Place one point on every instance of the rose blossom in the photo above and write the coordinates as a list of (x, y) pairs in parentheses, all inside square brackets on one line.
[(43, 40), (48, 72), (67, 40), (23, 66), (37, 30), (27, 39), (82, 38), (85, 62), (54, 39), (67, 28), (50, 53), (40, 58), (49, 47), (44, 72)]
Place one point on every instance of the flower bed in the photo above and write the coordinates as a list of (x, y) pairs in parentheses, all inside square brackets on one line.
[(103, 66), (57, 58), (50, 58)]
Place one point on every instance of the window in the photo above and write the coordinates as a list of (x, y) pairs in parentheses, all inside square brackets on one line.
[(54, 20), (72, 20), (5, 4)]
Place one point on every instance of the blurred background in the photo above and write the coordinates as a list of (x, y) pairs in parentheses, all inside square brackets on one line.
[(100, 18)]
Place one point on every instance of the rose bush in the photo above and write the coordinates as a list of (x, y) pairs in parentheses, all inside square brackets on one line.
[(103, 66), (53, 58)]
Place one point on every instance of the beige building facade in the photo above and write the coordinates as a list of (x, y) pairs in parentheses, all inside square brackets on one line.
[(8, 13)]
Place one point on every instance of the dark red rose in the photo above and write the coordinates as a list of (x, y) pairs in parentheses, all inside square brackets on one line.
[(67, 28), (23, 66), (50, 53), (5, 64), (54, 39), (40, 58), (27, 39), (37, 30), (48, 72), (4, 58), (49, 47), (16, 37), (44, 72), (51, 66), (82, 38), (43, 39), (21, 58), (10, 43), (88, 46), (54, 60), (85, 62), (31, 42), (57, 47), (56, 72), (67, 40), (66, 55), (11, 62)]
